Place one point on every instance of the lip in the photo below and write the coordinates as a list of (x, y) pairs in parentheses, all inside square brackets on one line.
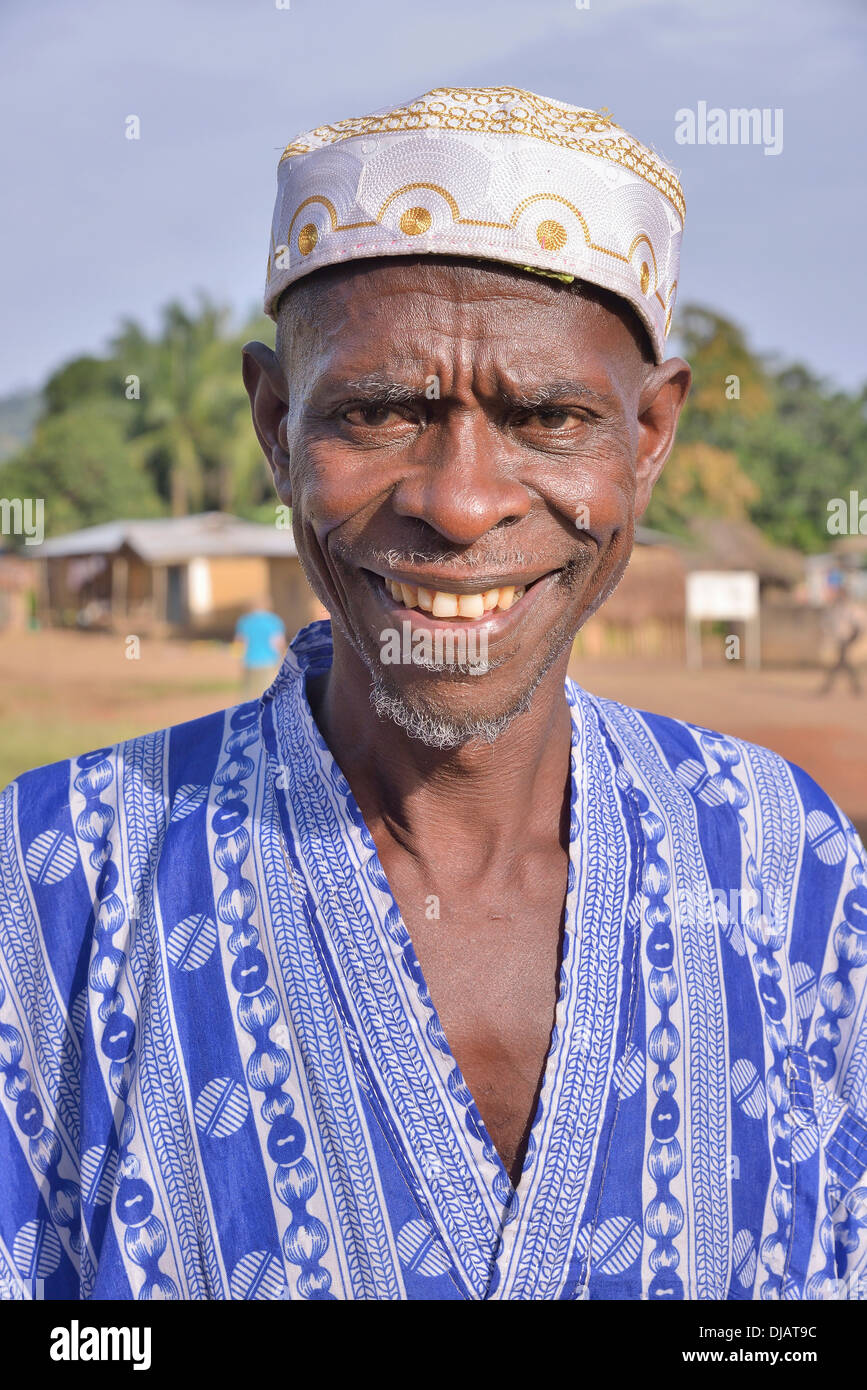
[(494, 623), (473, 584)]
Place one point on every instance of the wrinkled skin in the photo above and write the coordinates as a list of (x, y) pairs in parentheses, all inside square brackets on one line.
[(548, 412)]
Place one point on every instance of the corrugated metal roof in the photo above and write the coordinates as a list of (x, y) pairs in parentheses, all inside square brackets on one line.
[(173, 539)]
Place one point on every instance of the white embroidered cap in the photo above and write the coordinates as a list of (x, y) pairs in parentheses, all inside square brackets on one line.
[(489, 172)]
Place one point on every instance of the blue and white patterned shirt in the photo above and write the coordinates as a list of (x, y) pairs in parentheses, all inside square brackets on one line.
[(223, 1076)]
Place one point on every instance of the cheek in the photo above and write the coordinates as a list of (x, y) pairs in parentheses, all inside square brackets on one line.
[(330, 487), (597, 496)]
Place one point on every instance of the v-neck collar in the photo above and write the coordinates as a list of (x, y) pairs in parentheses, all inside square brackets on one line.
[(503, 1242)]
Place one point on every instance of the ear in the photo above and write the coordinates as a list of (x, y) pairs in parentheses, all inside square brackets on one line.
[(269, 405), (659, 405)]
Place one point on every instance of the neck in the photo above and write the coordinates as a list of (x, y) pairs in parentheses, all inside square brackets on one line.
[(486, 798)]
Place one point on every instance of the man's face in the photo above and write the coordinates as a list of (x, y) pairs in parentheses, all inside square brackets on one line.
[(465, 432)]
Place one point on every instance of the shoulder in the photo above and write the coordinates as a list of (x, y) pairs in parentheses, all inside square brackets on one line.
[(737, 797), (708, 761), (71, 796)]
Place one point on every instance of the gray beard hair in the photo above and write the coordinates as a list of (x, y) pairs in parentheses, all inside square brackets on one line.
[(444, 732)]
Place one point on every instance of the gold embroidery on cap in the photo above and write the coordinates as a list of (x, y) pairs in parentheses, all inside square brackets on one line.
[(409, 188), (415, 221), (551, 235), (569, 127), (553, 232), (307, 239), (332, 214), (636, 241)]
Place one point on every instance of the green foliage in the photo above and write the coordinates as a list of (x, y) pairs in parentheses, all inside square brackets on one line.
[(18, 414), (160, 425), (769, 445), (79, 462), (84, 378)]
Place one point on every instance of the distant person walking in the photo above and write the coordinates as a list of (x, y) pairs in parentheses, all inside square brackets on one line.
[(264, 638), (844, 624)]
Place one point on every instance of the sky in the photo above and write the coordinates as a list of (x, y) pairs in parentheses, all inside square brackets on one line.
[(97, 228)]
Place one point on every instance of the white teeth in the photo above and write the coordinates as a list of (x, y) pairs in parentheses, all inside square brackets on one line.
[(443, 605), (470, 605)]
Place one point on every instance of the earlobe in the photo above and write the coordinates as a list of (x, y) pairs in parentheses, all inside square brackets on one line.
[(269, 403)]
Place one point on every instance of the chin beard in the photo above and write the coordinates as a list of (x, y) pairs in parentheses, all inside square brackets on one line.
[(440, 731), (443, 730)]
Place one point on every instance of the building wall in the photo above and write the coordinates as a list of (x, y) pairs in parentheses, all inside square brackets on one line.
[(236, 580), (293, 598)]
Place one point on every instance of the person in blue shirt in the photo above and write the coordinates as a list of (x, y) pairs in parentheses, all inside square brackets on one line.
[(264, 638)]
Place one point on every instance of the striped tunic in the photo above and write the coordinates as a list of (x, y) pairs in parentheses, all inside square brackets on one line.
[(224, 1077)]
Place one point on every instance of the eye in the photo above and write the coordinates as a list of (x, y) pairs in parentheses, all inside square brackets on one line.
[(548, 418), (372, 416), (553, 417)]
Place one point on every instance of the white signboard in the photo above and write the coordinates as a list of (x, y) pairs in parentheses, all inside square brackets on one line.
[(732, 594)]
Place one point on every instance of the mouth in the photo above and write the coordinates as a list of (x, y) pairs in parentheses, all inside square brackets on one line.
[(486, 600)]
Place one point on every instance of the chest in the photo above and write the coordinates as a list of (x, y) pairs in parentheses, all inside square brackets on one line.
[(491, 961)]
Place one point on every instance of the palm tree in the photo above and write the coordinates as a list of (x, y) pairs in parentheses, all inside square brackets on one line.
[(193, 431)]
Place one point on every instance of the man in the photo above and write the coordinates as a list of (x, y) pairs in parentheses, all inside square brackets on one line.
[(843, 625), (428, 976), (263, 638)]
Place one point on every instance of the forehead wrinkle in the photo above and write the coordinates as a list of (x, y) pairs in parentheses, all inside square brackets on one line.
[(457, 351)]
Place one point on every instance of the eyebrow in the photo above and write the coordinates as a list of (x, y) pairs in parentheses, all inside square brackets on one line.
[(554, 392), (376, 388)]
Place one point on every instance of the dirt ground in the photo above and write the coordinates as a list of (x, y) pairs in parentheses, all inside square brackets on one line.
[(63, 693)]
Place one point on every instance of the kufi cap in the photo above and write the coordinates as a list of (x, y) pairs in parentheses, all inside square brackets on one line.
[(489, 172)]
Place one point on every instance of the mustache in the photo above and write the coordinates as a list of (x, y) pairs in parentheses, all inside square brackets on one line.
[(570, 573), (504, 560)]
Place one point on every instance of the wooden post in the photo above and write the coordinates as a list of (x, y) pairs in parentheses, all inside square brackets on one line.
[(119, 586), (159, 591), (693, 643)]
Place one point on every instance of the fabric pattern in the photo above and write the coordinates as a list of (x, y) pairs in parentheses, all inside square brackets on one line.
[(224, 1076)]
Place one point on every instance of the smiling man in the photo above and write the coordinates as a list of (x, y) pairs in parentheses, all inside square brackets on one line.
[(429, 975)]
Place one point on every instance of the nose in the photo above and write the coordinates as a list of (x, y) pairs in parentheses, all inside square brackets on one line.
[(462, 481)]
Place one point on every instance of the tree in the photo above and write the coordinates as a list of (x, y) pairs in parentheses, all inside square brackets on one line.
[(769, 444), (78, 463), (160, 424)]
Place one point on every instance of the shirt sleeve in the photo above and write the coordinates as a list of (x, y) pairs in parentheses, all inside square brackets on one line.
[(827, 1072), (43, 959)]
